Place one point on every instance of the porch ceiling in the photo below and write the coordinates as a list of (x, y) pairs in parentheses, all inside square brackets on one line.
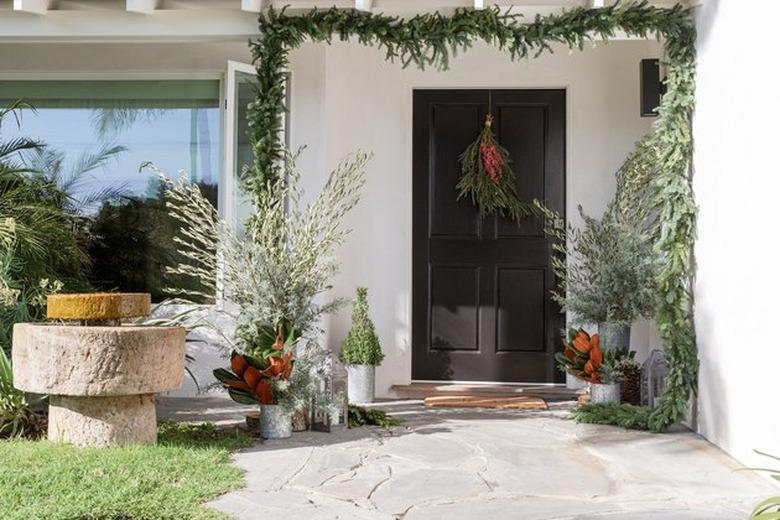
[(184, 20)]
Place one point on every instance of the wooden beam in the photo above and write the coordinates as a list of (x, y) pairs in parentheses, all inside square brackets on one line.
[(142, 6), (254, 6), (363, 5), (33, 6)]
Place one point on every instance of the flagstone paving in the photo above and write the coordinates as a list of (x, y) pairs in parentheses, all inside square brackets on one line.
[(475, 464)]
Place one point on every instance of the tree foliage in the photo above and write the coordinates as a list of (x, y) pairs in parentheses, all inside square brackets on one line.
[(37, 223), (606, 270), (41, 238), (654, 186)]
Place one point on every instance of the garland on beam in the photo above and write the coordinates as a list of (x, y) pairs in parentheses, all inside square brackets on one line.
[(664, 205)]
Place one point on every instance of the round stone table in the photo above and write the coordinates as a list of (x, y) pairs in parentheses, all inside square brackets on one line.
[(101, 379)]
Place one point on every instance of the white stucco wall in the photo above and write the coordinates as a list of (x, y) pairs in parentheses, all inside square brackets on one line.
[(736, 182), (346, 97)]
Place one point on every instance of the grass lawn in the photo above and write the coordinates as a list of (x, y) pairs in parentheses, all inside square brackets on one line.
[(189, 466)]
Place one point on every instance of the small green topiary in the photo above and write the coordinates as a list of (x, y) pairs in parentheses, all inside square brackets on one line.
[(361, 346)]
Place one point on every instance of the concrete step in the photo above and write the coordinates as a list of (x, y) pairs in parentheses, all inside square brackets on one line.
[(423, 390)]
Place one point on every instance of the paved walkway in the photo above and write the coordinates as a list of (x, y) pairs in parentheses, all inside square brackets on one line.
[(461, 464)]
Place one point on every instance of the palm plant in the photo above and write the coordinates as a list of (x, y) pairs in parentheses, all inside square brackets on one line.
[(110, 121), (49, 166), (46, 235), (16, 415), (768, 509)]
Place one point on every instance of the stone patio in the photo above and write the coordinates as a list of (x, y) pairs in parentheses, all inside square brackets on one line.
[(474, 464)]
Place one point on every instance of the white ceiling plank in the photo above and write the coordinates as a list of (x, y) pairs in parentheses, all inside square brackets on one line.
[(121, 26), (479, 4), (33, 6), (363, 5), (254, 6), (597, 3), (142, 6)]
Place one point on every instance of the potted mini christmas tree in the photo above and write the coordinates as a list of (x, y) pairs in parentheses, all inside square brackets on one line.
[(361, 352)]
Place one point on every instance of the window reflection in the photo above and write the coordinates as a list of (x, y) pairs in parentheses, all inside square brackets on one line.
[(97, 134)]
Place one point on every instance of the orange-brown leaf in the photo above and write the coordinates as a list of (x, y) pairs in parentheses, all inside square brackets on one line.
[(264, 392), (582, 342), (240, 385), (286, 365), (252, 376), (239, 364), (596, 356)]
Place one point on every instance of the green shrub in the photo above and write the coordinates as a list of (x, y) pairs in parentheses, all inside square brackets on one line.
[(16, 416), (41, 238), (606, 269), (768, 509), (360, 416), (361, 346)]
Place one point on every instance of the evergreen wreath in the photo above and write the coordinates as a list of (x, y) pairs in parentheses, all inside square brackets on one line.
[(487, 178), (654, 185)]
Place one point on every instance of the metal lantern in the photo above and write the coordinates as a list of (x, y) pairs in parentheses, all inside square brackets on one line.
[(340, 417), (332, 387), (654, 372)]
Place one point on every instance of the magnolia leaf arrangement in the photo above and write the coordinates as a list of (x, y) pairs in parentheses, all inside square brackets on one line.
[(487, 178), (584, 358), (263, 377), (256, 380)]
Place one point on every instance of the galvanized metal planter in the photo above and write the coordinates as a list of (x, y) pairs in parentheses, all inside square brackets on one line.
[(573, 383), (600, 394), (613, 336), (360, 383), (275, 422)]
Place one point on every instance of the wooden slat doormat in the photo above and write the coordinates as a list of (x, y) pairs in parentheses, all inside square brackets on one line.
[(480, 401)]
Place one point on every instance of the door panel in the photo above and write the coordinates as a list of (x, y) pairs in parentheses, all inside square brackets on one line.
[(481, 304), (454, 308), (448, 216)]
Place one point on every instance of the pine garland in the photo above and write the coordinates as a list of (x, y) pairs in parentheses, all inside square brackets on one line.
[(487, 178), (655, 181), (359, 416), (623, 414)]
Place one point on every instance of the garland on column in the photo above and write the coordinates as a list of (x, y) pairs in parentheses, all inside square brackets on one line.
[(487, 178), (655, 181)]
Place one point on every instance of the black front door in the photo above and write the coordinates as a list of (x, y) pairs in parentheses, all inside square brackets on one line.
[(481, 288)]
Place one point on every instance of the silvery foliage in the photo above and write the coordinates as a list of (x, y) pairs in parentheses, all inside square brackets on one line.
[(278, 270), (606, 269)]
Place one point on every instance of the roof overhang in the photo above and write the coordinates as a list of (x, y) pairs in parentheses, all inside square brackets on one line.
[(187, 20)]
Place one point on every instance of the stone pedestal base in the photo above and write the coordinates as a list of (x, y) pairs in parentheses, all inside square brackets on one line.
[(103, 421)]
